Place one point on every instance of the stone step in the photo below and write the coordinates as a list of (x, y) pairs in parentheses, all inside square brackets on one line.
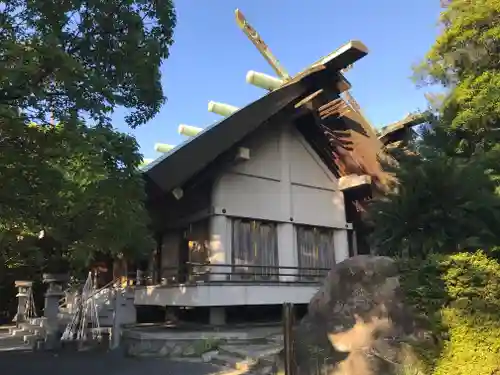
[(232, 371), (278, 339), (17, 332), (11, 343), (235, 362), (38, 321), (254, 352), (30, 329), (256, 359), (6, 329), (29, 326), (247, 341)]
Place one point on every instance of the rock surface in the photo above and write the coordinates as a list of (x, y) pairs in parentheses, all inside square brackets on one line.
[(357, 323)]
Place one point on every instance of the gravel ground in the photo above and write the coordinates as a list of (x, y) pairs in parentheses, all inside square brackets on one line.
[(95, 363)]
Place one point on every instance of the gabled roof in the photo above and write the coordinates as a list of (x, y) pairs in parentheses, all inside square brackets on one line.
[(395, 131), (176, 167)]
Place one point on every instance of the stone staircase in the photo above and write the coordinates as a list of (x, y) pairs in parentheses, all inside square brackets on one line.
[(247, 359), (248, 350), (9, 342), (24, 336)]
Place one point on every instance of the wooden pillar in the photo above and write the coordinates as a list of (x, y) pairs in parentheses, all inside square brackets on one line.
[(157, 268), (120, 270)]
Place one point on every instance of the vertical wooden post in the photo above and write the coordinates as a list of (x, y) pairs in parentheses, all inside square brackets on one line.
[(157, 268), (288, 323)]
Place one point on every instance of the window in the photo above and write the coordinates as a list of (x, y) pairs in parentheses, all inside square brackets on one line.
[(316, 250), (255, 250), (198, 249)]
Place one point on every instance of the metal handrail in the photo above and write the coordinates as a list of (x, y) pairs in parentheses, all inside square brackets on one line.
[(271, 275), (256, 266), (62, 301), (112, 282)]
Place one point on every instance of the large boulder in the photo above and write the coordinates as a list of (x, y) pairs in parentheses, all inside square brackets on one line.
[(357, 323)]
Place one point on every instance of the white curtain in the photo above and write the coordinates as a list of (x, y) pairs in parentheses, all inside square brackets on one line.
[(255, 244), (316, 250)]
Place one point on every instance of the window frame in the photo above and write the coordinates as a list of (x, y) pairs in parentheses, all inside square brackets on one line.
[(261, 272), (320, 260)]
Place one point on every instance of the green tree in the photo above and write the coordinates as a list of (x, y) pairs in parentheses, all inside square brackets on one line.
[(459, 295), (446, 198), (464, 59), (84, 58), (77, 186), (73, 189), (439, 204)]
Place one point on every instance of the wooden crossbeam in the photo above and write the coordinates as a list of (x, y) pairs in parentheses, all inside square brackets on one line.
[(308, 98), (337, 107)]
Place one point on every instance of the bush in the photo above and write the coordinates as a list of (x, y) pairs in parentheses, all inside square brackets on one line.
[(460, 294)]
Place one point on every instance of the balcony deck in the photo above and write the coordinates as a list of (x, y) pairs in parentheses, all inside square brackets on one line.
[(230, 285)]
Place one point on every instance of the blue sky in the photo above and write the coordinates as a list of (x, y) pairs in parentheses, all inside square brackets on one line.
[(211, 56)]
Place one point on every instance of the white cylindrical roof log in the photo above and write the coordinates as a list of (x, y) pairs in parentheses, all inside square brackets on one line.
[(263, 81), (145, 162), (222, 109), (188, 131), (162, 147)]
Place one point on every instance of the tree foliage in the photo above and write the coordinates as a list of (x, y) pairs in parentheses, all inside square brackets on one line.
[(460, 296), (440, 203), (72, 190), (464, 59), (446, 199), (84, 58), (77, 186)]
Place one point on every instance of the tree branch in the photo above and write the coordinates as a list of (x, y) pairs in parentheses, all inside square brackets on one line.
[(20, 91)]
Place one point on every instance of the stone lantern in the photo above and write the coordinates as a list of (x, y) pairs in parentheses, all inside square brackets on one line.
[(24, 290), (53, 295)]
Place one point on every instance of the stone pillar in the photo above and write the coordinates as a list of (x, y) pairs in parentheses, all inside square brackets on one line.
[(23, 291), (114, 341), (341, 245), (287, 252), (217, 316), (51, 310)]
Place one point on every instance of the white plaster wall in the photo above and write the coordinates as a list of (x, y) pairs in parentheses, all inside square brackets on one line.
[(316, 206), (284, 181), (306, 167), (264, 160), (249, 196)]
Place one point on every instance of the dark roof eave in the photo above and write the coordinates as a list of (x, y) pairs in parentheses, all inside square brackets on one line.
[(390, 132), (175, 168)]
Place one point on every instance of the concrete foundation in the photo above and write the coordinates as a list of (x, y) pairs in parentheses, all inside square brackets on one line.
[(217, 316)]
